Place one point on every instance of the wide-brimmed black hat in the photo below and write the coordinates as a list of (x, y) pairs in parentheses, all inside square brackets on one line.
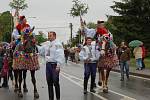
[(100, 22)]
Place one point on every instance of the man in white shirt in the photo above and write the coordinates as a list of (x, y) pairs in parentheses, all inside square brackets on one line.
[(54, 56), (89, 54)]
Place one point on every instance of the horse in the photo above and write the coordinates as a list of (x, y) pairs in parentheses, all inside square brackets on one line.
[(108, 59), (25, 58)]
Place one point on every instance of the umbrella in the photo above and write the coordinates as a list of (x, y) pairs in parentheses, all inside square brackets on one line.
[(135, 43)]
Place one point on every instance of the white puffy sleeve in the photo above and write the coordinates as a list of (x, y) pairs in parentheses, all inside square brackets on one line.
[(82, 55), (59, 54), (15, 34), (89, 32), (41, 50)]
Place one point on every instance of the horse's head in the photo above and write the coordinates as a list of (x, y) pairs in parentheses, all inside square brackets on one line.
[(107, 44)]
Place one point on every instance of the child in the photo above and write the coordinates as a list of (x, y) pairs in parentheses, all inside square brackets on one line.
[(4, 71), (10, 61), (1, 61)]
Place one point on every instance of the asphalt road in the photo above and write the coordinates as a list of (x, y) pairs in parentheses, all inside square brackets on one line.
[(71, 80)]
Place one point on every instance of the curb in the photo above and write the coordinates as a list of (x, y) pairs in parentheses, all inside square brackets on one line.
[(133, 73)]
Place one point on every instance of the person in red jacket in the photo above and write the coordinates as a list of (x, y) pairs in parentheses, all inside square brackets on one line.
[(143, 56)]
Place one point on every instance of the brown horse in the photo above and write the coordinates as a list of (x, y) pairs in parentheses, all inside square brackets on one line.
[(106, 62)]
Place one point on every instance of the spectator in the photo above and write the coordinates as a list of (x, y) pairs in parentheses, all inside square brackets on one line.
[(66, 52), (72, 54), (124, 58), (143, 56), (138, 57), (1, 61), (77, 55)]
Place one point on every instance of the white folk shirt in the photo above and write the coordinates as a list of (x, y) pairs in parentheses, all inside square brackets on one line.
[(89, 32), (53, 52), (86, 54)]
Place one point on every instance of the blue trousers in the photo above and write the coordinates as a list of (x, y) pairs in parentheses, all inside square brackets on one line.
[(124, 65), (139, 63), (89, 69), (52, 77)]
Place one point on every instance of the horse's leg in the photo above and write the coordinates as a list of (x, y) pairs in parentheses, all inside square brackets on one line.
[(36, 95), (102, 77), (20, 81), (107, 75), (106, 79), (16, 80), (24, 79)]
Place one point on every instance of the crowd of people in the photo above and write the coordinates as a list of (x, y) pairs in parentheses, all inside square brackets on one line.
[(72, 54)]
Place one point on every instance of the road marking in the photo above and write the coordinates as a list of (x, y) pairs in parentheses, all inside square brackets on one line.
[(69, 77), (118, 73)]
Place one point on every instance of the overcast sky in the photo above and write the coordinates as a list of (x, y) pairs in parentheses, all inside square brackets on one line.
[(54, 13)]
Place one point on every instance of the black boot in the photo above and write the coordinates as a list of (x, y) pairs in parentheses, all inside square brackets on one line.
[(85, 86), (92, 85)]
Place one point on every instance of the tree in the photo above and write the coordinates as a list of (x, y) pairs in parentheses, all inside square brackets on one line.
[(40, 38), (6, 26), (91, 25), (134, 19), (79, 9), (18, 5)]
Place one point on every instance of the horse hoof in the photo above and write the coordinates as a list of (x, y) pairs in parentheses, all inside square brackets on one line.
[(105, 90), (20, 94), (15, 90), (99, 83), (25, 90), (36, 95)]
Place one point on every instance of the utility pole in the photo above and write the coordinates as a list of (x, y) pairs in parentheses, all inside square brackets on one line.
[(71, 28)]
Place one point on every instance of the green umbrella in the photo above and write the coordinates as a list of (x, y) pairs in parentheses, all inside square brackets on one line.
[(135, 43)]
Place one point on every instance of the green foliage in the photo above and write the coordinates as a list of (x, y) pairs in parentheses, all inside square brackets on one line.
[(78, 9), (6, 26), (76, 40), (40, 39), (133, 21), (18, 4), (91, 25)]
